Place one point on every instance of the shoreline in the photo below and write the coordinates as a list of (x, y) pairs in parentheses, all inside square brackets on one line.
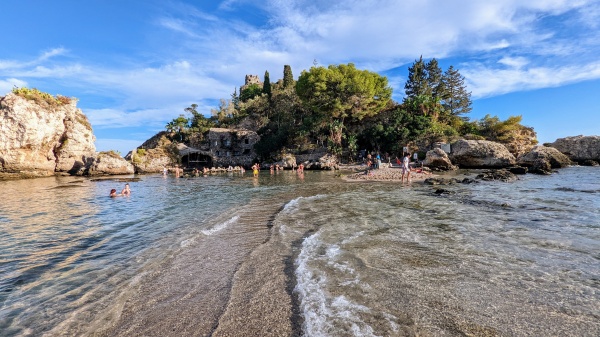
[(390, 174)]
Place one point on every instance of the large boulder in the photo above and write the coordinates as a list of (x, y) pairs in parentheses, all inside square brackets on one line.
[(554, 157), (480, 154), (43, 134), (579, 148), (437, 159), (110, 163)]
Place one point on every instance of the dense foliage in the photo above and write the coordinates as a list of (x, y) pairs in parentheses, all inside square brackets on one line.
[(344, 109)]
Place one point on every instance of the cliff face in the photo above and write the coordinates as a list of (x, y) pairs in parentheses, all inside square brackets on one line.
[(38, 138)]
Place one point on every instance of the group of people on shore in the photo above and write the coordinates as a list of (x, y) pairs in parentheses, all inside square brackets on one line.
[(124, 193), (375, 163)]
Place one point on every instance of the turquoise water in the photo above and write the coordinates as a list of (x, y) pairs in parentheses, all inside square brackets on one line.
[(365, 259)]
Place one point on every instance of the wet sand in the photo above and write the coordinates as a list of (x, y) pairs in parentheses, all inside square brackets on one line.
[(231, 283)]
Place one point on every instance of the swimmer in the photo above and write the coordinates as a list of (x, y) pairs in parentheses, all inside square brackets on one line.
[(126, 190), (113, 193)]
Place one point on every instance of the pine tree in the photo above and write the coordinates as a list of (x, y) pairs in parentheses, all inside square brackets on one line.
[(288, 78), (267, 84), (434, 79), (455, 99), (417, 83)]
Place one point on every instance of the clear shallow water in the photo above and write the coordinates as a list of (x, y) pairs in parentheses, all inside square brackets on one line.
[(366, 259)]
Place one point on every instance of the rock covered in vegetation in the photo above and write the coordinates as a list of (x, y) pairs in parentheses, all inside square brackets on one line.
[(538, 154), (41, 135), (579, 148), (437, 159), (155, 154), (480, 154)]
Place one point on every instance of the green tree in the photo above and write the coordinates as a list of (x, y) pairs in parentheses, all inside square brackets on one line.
[(417, 83), (267, 84), (178, 126), (250, 92), (343, 92), (288, 78), (455, 99), (434, 79)]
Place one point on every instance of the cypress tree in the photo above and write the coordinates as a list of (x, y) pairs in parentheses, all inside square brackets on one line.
[(288, 78), (267, 84)]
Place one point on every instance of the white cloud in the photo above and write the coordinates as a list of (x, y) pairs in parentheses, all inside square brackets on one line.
[(7, 85), (210, 56), (487, 81)]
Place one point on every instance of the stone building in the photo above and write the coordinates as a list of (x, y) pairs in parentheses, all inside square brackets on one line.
[(251, 79)]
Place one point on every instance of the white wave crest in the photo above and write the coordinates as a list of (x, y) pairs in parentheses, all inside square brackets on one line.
[(293, 204), (221, 226), (322, 313)]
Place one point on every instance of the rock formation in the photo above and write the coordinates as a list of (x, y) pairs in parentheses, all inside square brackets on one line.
[(42, 135), (579, 148), (437, 159), (542, 159), (155, 154), (480, 154)]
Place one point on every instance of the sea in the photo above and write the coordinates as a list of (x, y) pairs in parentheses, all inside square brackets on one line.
[(300, 255)]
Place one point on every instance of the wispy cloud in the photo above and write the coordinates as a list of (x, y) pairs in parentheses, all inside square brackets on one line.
[(509, 46)]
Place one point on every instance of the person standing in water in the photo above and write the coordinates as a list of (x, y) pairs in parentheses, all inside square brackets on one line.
[(126, 190), (406, 168)]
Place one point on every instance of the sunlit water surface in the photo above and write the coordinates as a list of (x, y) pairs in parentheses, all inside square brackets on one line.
[(370, 259)]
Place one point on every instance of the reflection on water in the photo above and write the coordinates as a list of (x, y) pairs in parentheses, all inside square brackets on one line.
[(370, 259)]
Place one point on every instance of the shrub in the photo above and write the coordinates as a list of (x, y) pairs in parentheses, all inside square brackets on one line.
[(40, 97)]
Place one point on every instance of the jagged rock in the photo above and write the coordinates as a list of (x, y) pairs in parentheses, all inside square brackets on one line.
[(518, 170), (522, 140), (542, 153), (38, 138), (110, 163), (480, 154), (156, 153), (541, 166), (494, 175), (579, 148), (437, 159), (45, 135), (590, 163)]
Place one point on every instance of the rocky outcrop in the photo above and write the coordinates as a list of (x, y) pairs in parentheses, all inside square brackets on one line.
[(480, 154), (579, 148), (521, 141), (318, 161), (551, 155), (110, 163), (42, 135), (155, 154), (437, 159)]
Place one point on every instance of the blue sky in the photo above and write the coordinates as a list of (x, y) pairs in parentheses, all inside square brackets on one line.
[(135, 65)]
